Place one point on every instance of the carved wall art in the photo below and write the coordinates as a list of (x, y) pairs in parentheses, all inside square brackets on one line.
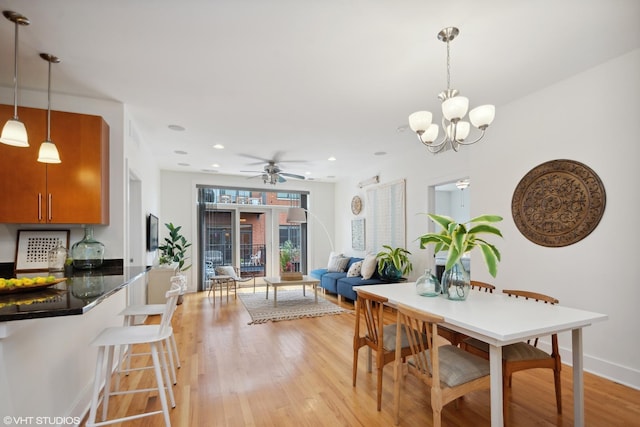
[(558, 203)]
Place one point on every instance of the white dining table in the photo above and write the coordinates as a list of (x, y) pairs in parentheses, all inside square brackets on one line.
[(500, 320)]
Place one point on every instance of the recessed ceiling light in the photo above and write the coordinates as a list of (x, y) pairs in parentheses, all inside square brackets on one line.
[(380, 153), (215, 165), (332, 159), (177, 128), (184, 164), (307, 173), (218, 147), (331, 176), (180, 152)]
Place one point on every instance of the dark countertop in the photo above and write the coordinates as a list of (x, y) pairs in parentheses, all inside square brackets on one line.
[(82, 291)]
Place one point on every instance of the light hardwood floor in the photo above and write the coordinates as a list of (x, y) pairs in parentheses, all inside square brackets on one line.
[(298, 373)]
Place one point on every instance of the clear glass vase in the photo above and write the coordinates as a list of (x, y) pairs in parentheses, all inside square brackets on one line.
[(57, 257), (456, 282), (87, 253), (428, 285)]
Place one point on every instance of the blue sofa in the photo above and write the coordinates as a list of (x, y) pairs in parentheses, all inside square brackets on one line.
[(338, 282)]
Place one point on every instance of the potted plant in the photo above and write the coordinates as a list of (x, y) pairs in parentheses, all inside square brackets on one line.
[(174, 249), (393, 263), (458, 239)]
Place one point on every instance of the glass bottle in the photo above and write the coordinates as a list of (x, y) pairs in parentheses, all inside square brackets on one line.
[(456, 282), (87, 253), (57, 257), (428, 285)]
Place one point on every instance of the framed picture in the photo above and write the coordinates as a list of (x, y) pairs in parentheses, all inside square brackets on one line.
[(357, 234), (33, 246)]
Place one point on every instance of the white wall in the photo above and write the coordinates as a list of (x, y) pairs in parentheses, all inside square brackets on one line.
[(179, 207), (591, 118)]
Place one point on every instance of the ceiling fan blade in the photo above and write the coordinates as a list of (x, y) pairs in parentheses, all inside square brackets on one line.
[(251, 156), (281, 178), (292, 175), (251, 171)]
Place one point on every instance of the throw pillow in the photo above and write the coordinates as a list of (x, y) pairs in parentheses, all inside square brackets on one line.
[(369, 265), (337, 264), (354, 270), (332, 255), (226, 270)]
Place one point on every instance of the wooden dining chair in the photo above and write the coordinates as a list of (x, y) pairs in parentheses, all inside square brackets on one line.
[(523, 355), (378, 337), (454, 337), (447, 370)]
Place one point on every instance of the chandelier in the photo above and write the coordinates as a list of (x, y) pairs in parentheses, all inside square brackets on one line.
[(454, 109)]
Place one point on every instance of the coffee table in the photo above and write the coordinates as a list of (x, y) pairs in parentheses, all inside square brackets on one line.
[(277, 282)]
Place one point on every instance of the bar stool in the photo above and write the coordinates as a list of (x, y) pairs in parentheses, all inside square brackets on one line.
[(154, 335), (129, 313)]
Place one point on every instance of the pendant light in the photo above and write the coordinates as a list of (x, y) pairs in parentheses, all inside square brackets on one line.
[(48, 151), (14, 132)]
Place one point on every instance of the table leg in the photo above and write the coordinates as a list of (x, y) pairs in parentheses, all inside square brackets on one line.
[(275, 296), (267, 290), (495, 364), (578, 387), (304, 290), (315, 292)]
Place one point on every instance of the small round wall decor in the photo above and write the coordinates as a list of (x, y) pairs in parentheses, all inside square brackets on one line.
[(356, 205), (558, 203)]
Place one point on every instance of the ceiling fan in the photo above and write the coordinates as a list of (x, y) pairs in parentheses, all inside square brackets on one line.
[(272, 173)]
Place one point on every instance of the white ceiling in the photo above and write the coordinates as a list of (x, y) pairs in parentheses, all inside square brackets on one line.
[(306, 79)]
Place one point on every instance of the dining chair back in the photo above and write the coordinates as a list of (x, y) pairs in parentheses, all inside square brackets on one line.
[(455, 337), (152, 335), (447, 370), (377, 337), (523, 355)]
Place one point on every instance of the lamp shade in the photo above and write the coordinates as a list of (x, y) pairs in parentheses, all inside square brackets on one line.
[(296, 215), (482, 116), (458, 131), (14, 133), (48, 153), (420, 121), (430, 135), (455, 108)]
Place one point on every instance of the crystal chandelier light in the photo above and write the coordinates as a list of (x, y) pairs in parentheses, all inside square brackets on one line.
[(454, 110)]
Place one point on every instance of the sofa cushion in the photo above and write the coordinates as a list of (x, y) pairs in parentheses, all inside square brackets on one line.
[(329, 281), (346, 286), (354, 270), (318, 273), (369, 266)]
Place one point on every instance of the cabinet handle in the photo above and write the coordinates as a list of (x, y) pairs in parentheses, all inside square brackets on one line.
[(39, 206), (49, 207)]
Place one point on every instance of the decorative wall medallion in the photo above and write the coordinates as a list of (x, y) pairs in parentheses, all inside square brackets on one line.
[(558, 203), (356, 205)]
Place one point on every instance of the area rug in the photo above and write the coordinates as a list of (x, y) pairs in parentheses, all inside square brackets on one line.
[(291, 305)]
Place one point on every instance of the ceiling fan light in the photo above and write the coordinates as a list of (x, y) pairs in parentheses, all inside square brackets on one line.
[(14, 133), (482, 116), (48, 153), (420, 121), (455, 108)]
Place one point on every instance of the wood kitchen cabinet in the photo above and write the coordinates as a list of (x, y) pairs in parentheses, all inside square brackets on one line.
[(75, 191)]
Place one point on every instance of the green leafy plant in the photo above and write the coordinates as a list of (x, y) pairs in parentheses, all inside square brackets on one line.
[(175, 247), (398, 257), (458, 238)]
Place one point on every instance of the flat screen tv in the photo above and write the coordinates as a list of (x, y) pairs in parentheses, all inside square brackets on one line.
[(152, 232)]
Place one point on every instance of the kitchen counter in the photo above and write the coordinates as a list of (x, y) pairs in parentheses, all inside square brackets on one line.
[(81, 292)]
